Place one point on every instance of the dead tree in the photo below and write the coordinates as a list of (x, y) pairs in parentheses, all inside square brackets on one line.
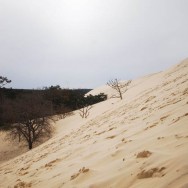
[(84, 111), (119, 87), (64, 112)]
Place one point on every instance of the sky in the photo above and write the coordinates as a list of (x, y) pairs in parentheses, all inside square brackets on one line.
[(85, 43)]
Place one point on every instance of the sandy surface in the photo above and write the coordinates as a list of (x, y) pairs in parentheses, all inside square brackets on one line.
[(9, 149), (141, 141)]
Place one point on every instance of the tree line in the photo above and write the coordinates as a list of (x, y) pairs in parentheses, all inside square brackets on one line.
[(27, 115)]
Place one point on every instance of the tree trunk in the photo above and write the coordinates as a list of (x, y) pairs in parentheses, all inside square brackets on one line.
[(30, 144), (19, 137), (120, 94)]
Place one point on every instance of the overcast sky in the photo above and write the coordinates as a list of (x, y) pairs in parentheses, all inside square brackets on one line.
[(84, 43)]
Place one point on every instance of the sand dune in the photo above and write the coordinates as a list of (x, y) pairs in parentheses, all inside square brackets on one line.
[(141, 141)]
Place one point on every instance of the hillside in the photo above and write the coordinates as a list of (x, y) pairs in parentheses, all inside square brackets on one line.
[(141, 141)]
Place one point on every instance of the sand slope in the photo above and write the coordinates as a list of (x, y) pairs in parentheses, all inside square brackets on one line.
[(141, 141)]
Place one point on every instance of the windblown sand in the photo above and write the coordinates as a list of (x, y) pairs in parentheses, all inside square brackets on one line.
[(139, 142)]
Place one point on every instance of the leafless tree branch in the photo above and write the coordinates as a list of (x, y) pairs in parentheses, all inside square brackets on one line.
[(119, 87), (84, 111)]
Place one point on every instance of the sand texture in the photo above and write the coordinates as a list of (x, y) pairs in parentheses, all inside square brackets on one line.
[(138, 142)]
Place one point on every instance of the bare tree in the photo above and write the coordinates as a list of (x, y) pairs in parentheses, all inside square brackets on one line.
[(31, 120), (120, 88), (84, 111), (64, 112), (84, 104)]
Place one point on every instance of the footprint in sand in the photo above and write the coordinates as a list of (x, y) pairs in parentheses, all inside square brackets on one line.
[(143, 108), (143, 154), (50, 164), (100, 133), (82, 170), (179, 118), (155, 124), (154, 172), (160, 137), (23, 184), (111, 137)]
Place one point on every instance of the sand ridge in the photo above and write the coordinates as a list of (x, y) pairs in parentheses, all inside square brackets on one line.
[(141, 141)]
